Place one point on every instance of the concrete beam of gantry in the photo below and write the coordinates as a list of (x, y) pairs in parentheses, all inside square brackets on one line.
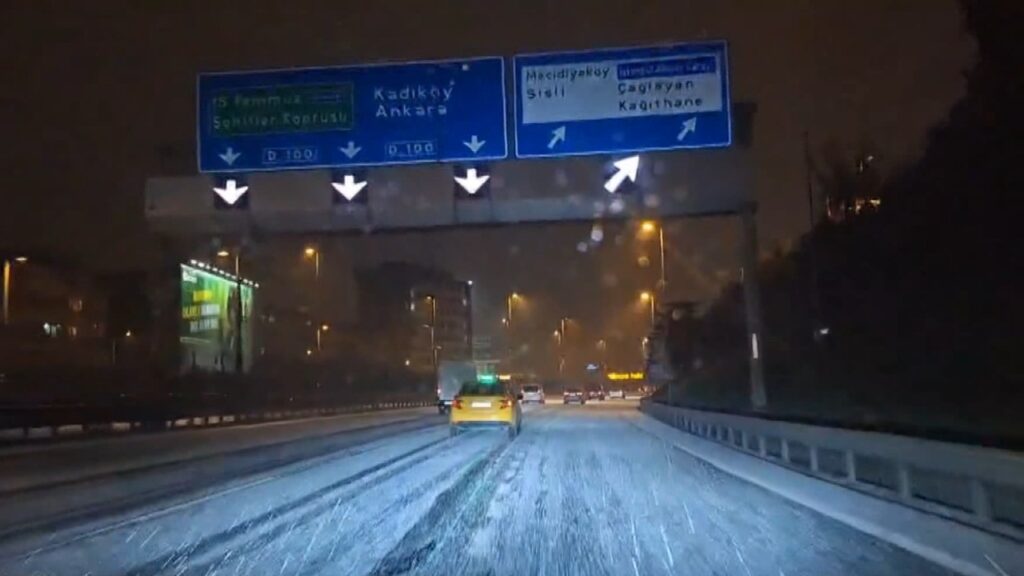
[(669, 184)]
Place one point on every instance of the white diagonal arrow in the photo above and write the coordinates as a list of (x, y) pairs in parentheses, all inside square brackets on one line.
[(475, 144), (472, 182), (688, 126), (231, 191), (348, 187), (229, 156), (351, 150), (557, 135), (627, 169)]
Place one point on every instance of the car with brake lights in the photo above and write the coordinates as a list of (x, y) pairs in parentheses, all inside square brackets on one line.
[(574, 395), (485, 403)]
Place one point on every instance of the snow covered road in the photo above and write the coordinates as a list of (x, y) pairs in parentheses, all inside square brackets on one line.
[(582, 490)]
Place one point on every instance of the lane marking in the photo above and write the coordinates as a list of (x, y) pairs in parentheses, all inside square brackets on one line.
[(668, 552), (636, 545), (148, 516), (344, 516), (636, 570), (740, 556), (148, 538), (689, 518), (996, 566)]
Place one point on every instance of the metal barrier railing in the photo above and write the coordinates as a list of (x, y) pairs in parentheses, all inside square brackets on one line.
[(982, 487), (82, 422)]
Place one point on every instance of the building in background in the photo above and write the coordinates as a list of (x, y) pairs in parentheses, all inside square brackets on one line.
[(415, 315), (56, 313)]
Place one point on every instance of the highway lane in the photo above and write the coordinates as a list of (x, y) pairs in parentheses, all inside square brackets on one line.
[(582, 491)]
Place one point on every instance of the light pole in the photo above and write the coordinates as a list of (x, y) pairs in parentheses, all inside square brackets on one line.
[(314, 254), (239, 362), (650, 226), (648, 297), (561, 360), (8, 273), (512, 297), (319, 335), (433, 324), (563, 325), (509, 300)]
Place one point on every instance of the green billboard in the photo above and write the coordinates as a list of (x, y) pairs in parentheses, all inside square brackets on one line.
[(210, 331)]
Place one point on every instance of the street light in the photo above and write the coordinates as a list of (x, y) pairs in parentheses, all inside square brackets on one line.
[(649, 226), (602, 346), (8, 277), (507, 320), (432, 326), (512, 297), (319, 335), (312, 252), (646, 296), (561, 334), (224, 253)]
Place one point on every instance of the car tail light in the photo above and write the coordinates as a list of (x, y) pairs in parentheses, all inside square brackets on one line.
[(457, 403)]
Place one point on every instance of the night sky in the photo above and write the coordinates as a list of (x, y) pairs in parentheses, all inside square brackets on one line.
[(96, 96)]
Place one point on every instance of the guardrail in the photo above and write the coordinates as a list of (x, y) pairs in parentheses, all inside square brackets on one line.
[(49, 422), (981, 487)]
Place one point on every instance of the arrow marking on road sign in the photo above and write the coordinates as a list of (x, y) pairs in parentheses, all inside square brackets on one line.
[(229, 156), (351, 150), (688, 126), (557, 135), (475, 144), (627, 168), (231, 191), (472, 182), (349, 188)]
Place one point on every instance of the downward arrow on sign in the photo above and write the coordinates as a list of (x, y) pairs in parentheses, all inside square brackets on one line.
[(348, 187), (472, 182), (231, 191), (351, 150), (229, 156), (475, 144)]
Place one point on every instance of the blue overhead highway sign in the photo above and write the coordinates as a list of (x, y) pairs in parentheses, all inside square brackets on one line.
[(370, 115), (622, 100)]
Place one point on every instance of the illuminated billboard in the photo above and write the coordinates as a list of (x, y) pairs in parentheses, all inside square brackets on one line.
[(210, 331)]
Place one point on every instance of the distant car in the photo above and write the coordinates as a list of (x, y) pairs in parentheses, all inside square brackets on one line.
[(595, 394), (533, 393), (617, 393), (574, 395), (485, 405)]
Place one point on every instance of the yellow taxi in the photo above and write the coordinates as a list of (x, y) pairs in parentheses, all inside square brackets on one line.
[(485, 403)]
